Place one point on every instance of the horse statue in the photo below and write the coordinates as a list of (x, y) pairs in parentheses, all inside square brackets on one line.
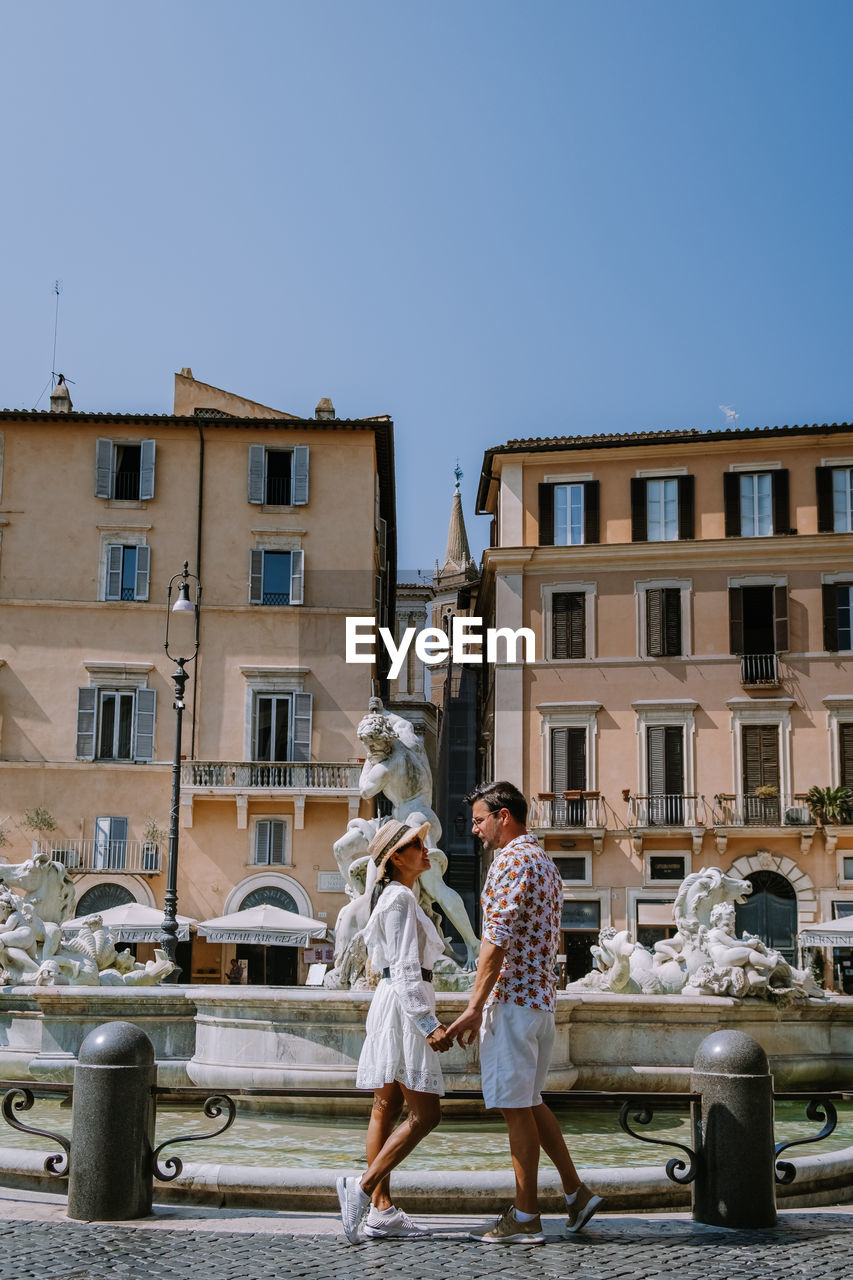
[(47, 885)]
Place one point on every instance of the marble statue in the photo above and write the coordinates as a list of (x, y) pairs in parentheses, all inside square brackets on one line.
[(32, 948), (704, 957), (397, 767)]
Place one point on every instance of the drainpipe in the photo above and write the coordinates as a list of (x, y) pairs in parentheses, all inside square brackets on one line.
[(200, 507)]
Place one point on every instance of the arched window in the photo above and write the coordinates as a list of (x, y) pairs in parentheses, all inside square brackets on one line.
[(101, 897), (270, 895)]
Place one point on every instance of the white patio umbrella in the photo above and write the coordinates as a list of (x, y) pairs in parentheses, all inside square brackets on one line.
[(828, 933), (267, 925), (132, 922)]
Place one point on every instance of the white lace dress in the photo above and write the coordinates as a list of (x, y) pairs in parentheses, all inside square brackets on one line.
[(400, 937)]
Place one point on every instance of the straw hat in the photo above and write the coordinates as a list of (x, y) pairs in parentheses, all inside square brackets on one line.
[(392, 836)]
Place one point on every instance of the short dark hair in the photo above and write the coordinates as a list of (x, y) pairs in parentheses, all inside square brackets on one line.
[(500, 795)]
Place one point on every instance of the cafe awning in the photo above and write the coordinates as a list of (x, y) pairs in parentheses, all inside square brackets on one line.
[(132, 922), (828, 933), (265, 925)]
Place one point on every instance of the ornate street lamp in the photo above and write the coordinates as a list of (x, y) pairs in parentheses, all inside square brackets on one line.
[(188, 586)]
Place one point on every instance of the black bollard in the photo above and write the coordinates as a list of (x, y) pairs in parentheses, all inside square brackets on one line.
[(733, 1133), (110, 1177)]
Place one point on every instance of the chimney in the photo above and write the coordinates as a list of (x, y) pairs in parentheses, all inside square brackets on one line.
[(325, 408), (60, 398)]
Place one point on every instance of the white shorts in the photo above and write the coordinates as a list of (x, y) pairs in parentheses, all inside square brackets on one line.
[(516, 1044)]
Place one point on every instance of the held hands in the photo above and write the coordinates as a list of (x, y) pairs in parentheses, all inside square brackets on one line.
[(466, 1027), (440, 1040)]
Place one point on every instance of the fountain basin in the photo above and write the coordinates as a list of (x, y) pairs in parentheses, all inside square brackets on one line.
[(293, 1037)]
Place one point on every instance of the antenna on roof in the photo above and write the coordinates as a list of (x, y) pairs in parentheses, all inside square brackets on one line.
[(51, 382)]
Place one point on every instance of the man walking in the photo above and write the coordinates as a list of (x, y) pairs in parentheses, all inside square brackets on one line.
[(512, 1007)]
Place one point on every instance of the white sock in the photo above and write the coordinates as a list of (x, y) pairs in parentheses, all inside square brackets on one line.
[(381, 1213), (570, 1199), (525, 1217)]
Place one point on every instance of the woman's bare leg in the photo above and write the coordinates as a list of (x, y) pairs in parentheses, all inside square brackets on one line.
[(423, 1115), (384, 1115)]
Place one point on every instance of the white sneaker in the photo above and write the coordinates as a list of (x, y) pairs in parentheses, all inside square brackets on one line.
[(380, 1226), (355, 1205)]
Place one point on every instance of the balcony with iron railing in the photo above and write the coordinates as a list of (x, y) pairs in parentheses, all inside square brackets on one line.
[(762, 812), (78, 856), (578, 811), (663, 810), (760, 671)]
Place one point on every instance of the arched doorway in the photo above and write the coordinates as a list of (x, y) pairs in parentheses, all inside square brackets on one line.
[(269, 966), (771, 912)]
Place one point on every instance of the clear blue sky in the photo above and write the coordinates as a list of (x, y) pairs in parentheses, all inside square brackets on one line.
[(487, 219)]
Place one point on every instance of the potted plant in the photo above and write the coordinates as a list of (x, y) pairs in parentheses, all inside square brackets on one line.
[(152, 837), (830, 805), (766, 791)]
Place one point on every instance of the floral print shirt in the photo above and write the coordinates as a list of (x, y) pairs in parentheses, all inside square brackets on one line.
[(522, 902)]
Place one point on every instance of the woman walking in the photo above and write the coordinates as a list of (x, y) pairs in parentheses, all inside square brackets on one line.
[(399, 1061)]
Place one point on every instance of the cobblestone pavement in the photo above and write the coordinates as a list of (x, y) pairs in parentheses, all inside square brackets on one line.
[(818, 1245)]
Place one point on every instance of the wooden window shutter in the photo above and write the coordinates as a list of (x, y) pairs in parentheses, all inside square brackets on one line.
[(104, 469), (780, 619), (576, 760), (654, 622), (731, 503), (736, 619), (262, 840), (672, 621), (257, 466), (87, 703), (115, 557), (845, 752), (686, 506), (656, 760), (302, 713), (297, 577), (781, 501), (277, 850), (143, 574), (825, 513), (256, 576), (760, 756), (674, 764), (146, 469), (568, 624), (146, 703), (559, 760), (546, 515), (592, 511), (830, 617), (299, 493), (639, 514)]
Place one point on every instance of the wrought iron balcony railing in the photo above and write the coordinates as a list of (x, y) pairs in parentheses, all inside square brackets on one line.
[(264, 775), (663, 810), (754, 809), (140, 857), (571, 809), (759, 670)]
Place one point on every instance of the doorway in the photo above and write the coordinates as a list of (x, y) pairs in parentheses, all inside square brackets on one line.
[(771, 912)]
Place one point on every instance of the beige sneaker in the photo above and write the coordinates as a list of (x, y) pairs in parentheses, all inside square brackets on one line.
[(582, 1208), (508, 1230)]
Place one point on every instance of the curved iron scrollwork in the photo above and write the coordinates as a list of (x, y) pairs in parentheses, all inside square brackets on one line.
[(677, 1169), (817, 1109), (21, 1100), (213, 1107)]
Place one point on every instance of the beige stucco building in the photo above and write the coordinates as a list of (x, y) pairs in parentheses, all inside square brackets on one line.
[(289, 522), (690, 599)]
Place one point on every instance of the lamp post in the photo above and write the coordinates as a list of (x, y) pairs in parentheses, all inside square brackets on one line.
[(187, 586)]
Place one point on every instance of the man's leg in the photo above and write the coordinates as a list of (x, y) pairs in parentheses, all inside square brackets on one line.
[(524, 1149), (554, 1145)]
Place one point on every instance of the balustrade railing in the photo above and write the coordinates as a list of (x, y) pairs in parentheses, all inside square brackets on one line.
[(285, 775)]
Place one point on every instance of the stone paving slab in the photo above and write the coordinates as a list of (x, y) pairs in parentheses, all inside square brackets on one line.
[(37, 1242)]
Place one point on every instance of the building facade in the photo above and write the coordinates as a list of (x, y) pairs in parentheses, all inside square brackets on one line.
[(289, 523), (689, 597)]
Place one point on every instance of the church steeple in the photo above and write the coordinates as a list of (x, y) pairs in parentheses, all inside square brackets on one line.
[(457, 556)]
